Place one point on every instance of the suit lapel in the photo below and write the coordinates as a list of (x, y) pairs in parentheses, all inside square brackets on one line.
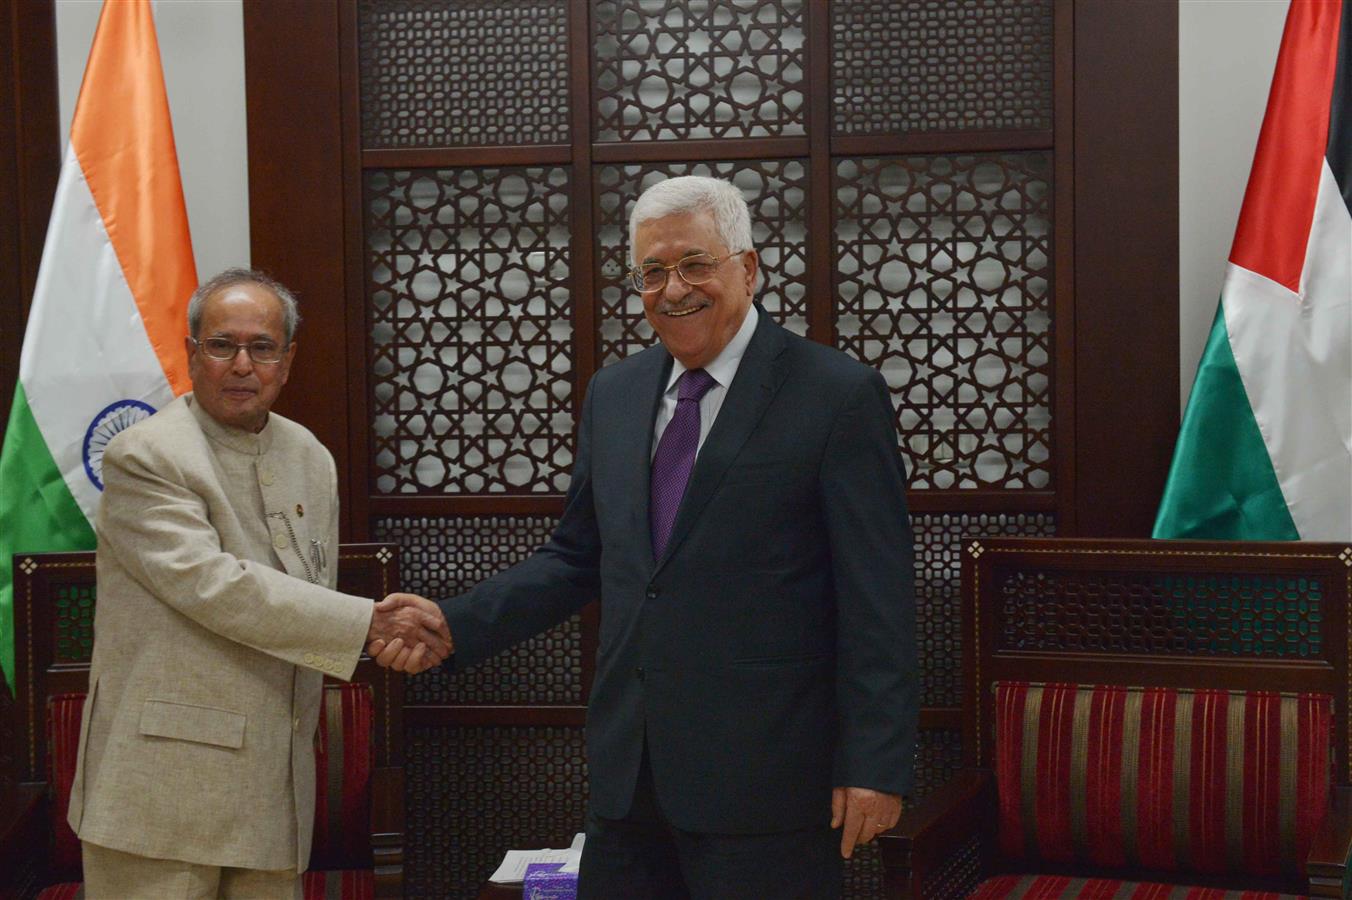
[(635, 437), (758, 379)]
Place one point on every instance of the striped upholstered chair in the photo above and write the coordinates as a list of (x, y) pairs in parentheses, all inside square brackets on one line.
[(358, 838), (341, 863), (1144, 720)]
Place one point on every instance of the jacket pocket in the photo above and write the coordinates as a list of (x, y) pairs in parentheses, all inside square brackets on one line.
[(200, 724)]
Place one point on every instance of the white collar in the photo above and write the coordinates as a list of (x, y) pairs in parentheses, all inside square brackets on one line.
[(724, 365)]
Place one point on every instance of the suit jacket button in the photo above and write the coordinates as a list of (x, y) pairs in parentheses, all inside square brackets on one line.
[(638, 670), (652, 593), (279, 542)]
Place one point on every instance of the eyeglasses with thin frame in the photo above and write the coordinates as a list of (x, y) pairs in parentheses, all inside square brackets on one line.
[(263, 353), (697, 268)]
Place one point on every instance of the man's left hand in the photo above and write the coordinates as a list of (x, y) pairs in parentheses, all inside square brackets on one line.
[(864, 813)]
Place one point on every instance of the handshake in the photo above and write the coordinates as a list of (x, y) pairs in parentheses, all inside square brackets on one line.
[(409, 634)]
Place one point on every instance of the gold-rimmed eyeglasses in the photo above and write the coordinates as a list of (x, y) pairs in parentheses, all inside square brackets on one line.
[(697, 268), (263, 353)]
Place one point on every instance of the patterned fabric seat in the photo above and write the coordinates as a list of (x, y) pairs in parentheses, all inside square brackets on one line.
[(1063, 887), (340, 863), (1169, 780)]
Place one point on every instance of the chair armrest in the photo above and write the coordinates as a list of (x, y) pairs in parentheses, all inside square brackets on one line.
[(387, 830), (1326, 866), (23, 837), (936, 849)]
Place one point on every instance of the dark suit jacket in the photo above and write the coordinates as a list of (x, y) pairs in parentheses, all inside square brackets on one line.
[(770, 654)]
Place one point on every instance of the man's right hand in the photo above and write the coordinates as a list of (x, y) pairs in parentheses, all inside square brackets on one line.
[(408, 633)]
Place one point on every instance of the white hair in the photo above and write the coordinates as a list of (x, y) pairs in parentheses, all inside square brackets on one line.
[(719, 197), (239, 275)]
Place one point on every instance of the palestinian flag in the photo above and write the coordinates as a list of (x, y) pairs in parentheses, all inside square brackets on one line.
[(104, 344), (1265, 451)]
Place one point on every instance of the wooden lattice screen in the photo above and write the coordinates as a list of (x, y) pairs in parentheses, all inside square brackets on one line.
[(902, 195), (974, 196)]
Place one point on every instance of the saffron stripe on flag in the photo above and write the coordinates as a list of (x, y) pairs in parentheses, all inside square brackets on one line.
[(145, 217)]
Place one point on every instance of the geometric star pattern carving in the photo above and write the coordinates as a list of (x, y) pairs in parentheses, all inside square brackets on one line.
[(976, 65), (941, 279), (444, 556), (938, 590), (1200, 613), (690, 71), (474, 793), (943, 283), (74, 621), (469, 73), (471, 330)]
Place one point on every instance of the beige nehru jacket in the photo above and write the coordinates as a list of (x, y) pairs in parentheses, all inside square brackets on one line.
[(214, 622)]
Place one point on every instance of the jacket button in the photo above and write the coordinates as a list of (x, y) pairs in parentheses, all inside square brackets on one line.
[(652, 593), (638, 670), (265, 476), (279, 542)]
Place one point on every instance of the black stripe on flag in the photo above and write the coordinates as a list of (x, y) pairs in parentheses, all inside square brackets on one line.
[(1339, 152)]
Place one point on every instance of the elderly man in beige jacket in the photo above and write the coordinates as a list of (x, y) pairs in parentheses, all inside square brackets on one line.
[(216, 621)]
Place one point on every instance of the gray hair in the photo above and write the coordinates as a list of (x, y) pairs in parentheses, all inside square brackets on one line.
[(720, 198), (239, 275)]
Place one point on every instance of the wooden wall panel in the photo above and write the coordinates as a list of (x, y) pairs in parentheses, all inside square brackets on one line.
[(1126, 263), (30, 162), (296, 204)]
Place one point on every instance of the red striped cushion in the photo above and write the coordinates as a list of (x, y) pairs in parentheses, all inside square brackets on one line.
[(63, 743), (344, 757), (1062, 887), (1173, 780), (342, 884)]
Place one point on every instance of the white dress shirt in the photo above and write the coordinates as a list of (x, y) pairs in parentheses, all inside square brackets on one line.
[(723, 369)]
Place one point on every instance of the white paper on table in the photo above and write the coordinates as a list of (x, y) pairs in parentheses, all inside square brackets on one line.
[(574, 854), (513, 868)]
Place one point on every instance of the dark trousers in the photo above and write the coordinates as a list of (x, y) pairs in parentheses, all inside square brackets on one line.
[(642, 856)]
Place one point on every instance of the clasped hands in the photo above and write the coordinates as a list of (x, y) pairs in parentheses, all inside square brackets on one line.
[(409, 634)]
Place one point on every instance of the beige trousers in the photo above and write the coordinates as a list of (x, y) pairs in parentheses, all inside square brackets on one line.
[(114, 875)]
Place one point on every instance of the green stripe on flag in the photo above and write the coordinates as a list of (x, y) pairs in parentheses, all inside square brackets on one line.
[(37, 512), (1222, 485)]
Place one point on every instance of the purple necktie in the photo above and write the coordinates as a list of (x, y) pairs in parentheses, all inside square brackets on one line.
[(675, 456)]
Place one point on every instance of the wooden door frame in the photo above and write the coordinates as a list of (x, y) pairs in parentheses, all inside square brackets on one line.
[(30, 163)]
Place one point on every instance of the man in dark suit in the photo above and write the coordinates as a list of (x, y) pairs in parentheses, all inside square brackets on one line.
[(738, 505)]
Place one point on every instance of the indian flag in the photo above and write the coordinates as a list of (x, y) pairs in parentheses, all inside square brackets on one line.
[(104, 344), (1265, 451)]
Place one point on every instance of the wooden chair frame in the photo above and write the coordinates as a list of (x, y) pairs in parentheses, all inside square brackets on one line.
[(946, 843)]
